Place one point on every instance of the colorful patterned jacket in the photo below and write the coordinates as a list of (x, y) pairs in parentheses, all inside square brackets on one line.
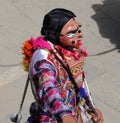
[(54, 89)]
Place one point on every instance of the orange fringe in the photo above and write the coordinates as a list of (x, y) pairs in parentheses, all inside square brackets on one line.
[(27, 51)]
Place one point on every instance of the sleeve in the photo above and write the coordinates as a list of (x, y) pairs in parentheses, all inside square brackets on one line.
[(48, 91)]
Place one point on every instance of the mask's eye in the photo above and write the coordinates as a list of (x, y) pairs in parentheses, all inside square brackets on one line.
[(79, 31), (71, 35)]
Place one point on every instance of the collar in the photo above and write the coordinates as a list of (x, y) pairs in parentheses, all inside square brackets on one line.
[(80, 51)]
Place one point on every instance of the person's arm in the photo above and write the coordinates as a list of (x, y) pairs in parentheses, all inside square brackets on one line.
[(96, 114), (49, 93)]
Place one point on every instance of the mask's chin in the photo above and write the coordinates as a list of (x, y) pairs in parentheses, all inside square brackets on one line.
[(70, 48)]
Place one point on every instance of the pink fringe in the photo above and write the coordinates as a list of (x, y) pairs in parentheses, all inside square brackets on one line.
[(39, 42)]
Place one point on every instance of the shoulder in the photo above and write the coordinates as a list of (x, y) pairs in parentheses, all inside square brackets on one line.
[(40, 54), (41, 57)]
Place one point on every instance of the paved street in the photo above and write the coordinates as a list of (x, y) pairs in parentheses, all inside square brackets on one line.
[(21, 19)]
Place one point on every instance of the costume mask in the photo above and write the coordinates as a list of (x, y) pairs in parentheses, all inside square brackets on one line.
[(53, 23)]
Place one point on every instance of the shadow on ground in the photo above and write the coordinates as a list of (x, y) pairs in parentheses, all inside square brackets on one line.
[(107, 17)]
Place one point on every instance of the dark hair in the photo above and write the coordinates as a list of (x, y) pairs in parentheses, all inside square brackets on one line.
[(53, 23)]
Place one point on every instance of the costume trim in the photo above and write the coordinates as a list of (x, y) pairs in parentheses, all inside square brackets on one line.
[(30, 46)]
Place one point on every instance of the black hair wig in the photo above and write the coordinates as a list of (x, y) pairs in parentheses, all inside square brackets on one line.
[(53, 23)]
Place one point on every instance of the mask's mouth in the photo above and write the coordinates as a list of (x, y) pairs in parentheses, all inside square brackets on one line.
[(74, 47), (78, 45)]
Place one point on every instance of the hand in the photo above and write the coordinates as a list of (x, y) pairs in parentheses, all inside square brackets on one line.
[(69, 119), (96, 118)]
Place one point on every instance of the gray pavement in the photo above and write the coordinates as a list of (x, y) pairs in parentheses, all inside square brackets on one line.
[(21, 19)]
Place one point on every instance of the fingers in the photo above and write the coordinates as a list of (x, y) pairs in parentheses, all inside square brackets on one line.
[(100, 117), (97, 118)]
